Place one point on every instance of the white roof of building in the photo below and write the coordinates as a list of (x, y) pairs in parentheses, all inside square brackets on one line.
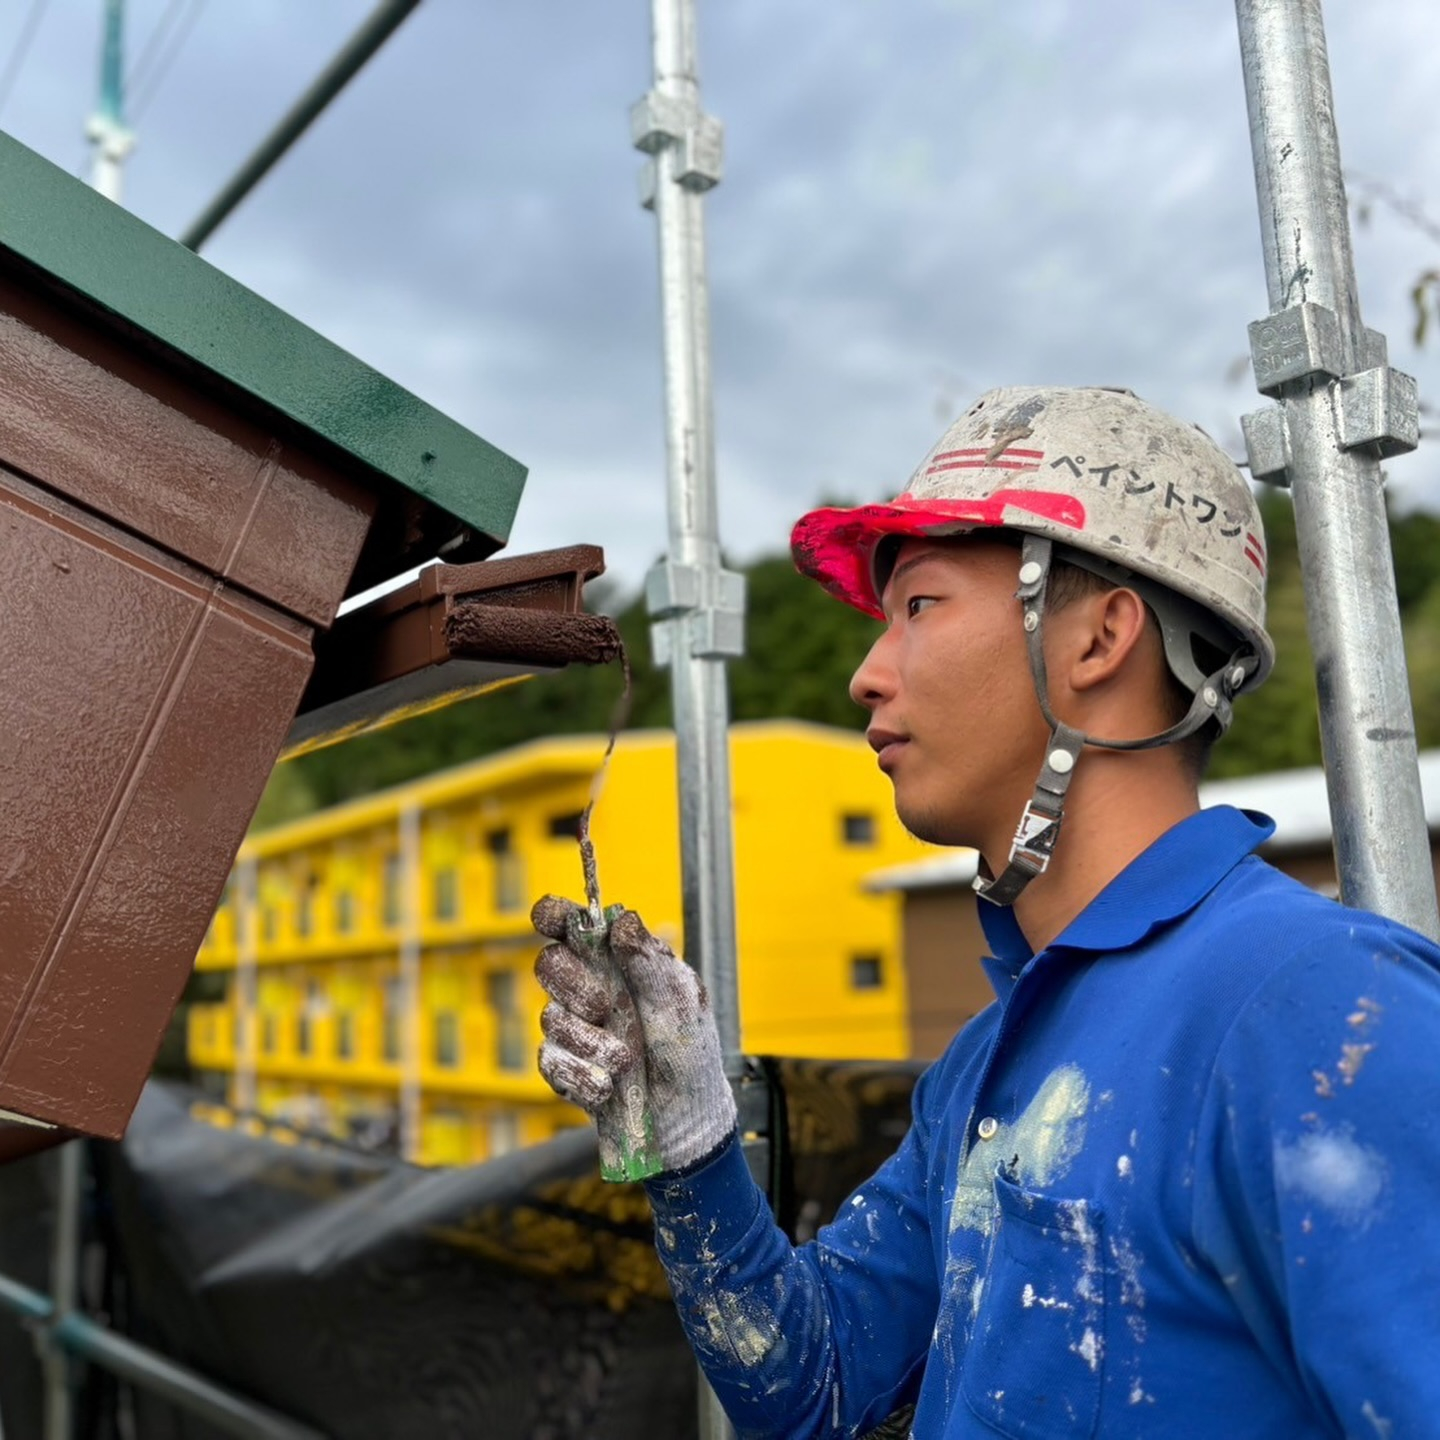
[(1294, 799)]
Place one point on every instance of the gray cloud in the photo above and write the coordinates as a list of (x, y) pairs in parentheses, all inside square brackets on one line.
[(923, 198)]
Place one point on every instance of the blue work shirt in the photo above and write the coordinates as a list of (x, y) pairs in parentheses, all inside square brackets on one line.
[(1181, 1179)]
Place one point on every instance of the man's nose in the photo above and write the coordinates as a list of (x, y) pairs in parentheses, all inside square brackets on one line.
[(874, 679)]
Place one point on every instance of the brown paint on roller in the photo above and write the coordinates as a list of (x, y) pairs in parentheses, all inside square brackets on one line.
[(530, 637)]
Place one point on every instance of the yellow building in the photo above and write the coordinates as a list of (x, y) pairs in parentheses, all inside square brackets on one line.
[(378, 955)]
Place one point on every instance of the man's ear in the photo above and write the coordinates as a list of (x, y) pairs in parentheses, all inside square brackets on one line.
[(1110, 626)]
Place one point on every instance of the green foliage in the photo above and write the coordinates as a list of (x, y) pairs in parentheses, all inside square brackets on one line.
[(801, 649)]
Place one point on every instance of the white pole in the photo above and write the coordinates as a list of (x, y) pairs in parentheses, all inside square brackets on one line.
[(106, 130), (1341, 411)]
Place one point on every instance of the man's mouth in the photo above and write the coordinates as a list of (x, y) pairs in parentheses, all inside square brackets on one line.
[(887, 745)]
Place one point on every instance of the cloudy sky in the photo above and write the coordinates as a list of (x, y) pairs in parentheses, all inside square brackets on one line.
[(923, 198)]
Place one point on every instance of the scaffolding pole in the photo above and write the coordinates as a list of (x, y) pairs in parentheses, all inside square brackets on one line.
[(697, 605), (58, 1366), (1341, 411)]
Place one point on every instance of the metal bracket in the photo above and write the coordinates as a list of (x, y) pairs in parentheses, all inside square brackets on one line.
[(761, 1125), (658, 121), (701, 162), (1378, 409), (710, 600), (1293, 343), (648, 178), (1267, 445)]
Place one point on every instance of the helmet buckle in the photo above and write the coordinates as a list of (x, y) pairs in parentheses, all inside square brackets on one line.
[(1035, 838)]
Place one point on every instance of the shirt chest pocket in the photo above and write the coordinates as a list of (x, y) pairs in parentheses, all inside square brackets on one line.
[(1035, 1361)]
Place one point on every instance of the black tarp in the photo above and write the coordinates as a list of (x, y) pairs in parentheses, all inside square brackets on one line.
[(516, 1300)]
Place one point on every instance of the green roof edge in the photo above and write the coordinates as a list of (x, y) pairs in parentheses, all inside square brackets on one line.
[(96, 248)]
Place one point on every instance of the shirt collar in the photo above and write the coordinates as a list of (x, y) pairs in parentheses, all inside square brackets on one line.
[(1164, 882)]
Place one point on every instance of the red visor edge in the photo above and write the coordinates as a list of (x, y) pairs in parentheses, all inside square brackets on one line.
[(835, 547)]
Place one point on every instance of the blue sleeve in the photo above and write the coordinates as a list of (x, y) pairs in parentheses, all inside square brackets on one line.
[(1317, 1178), (824, 1340)]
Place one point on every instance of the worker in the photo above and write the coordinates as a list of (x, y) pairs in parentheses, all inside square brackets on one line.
[(1182, 1177)]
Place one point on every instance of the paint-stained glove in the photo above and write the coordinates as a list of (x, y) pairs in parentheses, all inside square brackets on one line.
[(629, 1038)]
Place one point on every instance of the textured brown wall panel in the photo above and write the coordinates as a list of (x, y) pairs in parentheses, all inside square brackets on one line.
[(97, 421), (142, 709)]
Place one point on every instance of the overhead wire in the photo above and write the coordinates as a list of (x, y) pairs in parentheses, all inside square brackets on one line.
[(153, 44), (161, 66), (16, 62)]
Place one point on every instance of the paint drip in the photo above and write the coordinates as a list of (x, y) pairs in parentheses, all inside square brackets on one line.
[(627, 1139)]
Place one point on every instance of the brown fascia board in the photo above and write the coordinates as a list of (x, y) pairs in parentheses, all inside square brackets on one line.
[(452, 632)]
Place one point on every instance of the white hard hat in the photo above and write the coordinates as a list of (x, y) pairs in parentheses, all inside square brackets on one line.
[(1099, 472), (1099, 478)]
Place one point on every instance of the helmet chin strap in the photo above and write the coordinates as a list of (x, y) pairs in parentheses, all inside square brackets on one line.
[(1039, 826)]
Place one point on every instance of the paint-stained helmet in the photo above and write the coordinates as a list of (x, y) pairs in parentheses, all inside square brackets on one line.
[(1101, 479), (1110, 480)]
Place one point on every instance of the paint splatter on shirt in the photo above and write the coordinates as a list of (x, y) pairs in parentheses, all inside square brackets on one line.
[(1168, 1184)]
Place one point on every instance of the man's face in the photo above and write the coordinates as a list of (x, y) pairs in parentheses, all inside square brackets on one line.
[(953, 714)]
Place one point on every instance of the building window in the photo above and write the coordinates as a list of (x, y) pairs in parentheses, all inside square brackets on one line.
[(866, 972), (511, 1050), (445, 900), (567, 826), (390, 1021), (447, 1039), (310, 1004), (509, 880), (345, 1035), (344, 912), (390, 891), (268, 1033), (504, 1128), (858, 828), (305, 908), (269, 925)]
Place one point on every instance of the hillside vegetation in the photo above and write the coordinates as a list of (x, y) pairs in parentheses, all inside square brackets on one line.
[(801, 648)]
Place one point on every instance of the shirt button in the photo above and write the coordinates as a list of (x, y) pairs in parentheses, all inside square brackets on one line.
[(988, 1128)]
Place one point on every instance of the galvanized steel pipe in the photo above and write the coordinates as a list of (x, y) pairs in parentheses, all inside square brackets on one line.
[(1341, 409), (697, 605), (64, 1288)]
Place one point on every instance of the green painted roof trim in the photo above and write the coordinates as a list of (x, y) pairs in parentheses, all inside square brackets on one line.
[(94, 247)]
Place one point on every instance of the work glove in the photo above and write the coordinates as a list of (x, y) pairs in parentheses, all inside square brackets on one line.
[(629, 1038)]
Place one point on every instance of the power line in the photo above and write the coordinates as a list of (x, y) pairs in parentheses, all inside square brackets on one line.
[(22, 48), (161, 66), (153, 44)]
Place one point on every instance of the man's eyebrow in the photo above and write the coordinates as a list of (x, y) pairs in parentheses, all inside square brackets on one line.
[(910, 564)]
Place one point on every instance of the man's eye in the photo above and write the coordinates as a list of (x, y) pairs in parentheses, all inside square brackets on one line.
[(916, 603)]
